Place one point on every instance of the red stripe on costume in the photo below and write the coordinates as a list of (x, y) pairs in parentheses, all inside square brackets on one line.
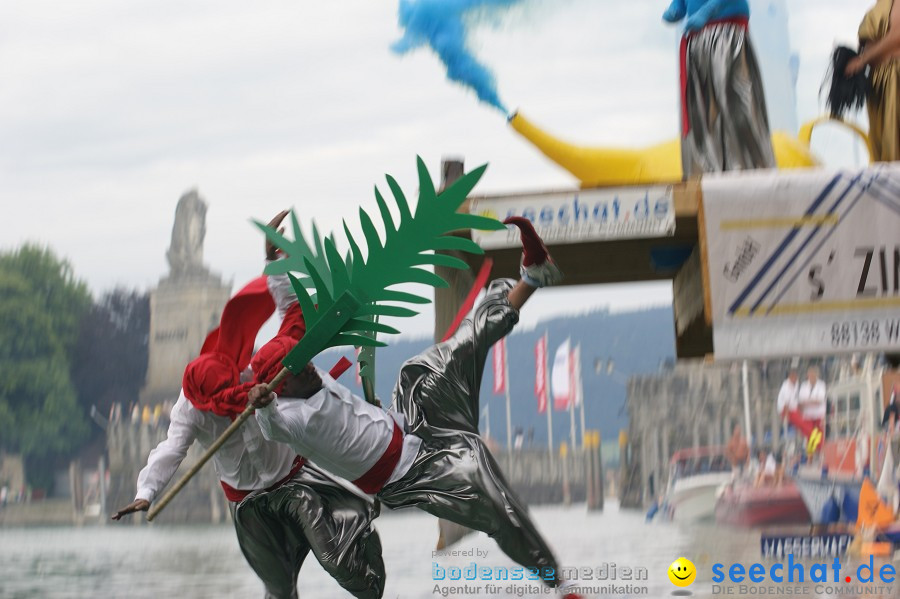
[(480, 281), (340, 368), (372, 481), (236, 495), (682, 64)]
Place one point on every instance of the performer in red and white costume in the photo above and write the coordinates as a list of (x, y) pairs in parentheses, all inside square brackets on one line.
[(426, 452), (283, 507)]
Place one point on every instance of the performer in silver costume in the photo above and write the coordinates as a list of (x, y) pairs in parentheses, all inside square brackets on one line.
[(454, 476), (277, 528), (431, 454), (724, 122)]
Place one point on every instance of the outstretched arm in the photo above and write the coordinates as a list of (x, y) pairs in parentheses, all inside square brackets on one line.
[(537, 268), (279, 285), (675, 12), (282, 293), (876, 52), (519, 294), (162, 462)]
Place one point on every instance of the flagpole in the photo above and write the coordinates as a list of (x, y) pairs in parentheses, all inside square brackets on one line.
[(508, 400), (549, 396), (572, 398), (746, 389), (580, 388), (572, 423)]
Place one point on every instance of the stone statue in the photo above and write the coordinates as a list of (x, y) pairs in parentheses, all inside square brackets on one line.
[(185, 305), (185, 253)]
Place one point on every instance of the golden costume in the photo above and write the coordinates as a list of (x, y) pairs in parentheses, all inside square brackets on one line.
[(882, 100)]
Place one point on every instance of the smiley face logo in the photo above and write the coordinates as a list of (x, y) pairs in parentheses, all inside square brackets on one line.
[(682, 572)]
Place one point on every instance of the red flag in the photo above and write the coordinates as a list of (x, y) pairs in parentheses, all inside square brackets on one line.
[(540, 376), (499, 359)]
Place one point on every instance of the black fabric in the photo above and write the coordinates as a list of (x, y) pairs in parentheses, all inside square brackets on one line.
[(277, 529), (845, 93), (892, 408)]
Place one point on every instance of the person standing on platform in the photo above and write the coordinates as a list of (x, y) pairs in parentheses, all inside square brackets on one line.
[(786, 403), (724, 121), (811, 401), (788, 394), (879, 40)]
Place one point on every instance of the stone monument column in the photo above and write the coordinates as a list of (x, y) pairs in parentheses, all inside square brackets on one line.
[(185, 306)]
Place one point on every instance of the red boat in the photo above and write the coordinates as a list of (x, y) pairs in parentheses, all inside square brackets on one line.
[(742, 504)]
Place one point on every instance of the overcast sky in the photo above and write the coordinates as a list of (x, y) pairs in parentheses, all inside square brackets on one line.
[(110, 110)]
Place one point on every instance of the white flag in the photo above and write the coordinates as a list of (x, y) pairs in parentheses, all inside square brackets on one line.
[(561, 376), (887, 482)]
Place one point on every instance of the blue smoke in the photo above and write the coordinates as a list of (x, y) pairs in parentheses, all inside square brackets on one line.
[(444, 26)]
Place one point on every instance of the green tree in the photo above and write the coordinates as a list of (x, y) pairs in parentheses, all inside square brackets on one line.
[(109, 364), (41, 308)]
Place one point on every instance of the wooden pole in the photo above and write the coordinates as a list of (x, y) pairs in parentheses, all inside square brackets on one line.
[(448, 300), (156, 508)]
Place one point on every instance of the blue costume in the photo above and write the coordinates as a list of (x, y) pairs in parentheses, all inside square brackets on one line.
[(701, 12), (725, 125)]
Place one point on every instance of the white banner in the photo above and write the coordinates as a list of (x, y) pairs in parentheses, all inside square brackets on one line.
[(804, 263), (581, 215)]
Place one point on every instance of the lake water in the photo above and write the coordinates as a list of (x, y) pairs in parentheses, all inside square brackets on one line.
[(122, 560)]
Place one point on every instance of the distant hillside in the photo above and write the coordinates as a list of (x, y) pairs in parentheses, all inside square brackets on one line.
[(637, 342)]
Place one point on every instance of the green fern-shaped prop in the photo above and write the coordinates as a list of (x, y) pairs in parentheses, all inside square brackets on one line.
[(298, 252), (350, 293)]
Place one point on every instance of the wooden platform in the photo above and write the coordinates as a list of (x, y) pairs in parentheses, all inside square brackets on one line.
[(675, 258)]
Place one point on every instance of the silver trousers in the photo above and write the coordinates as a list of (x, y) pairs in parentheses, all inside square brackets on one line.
[(454, 476), (725, 125), (277, 529)]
